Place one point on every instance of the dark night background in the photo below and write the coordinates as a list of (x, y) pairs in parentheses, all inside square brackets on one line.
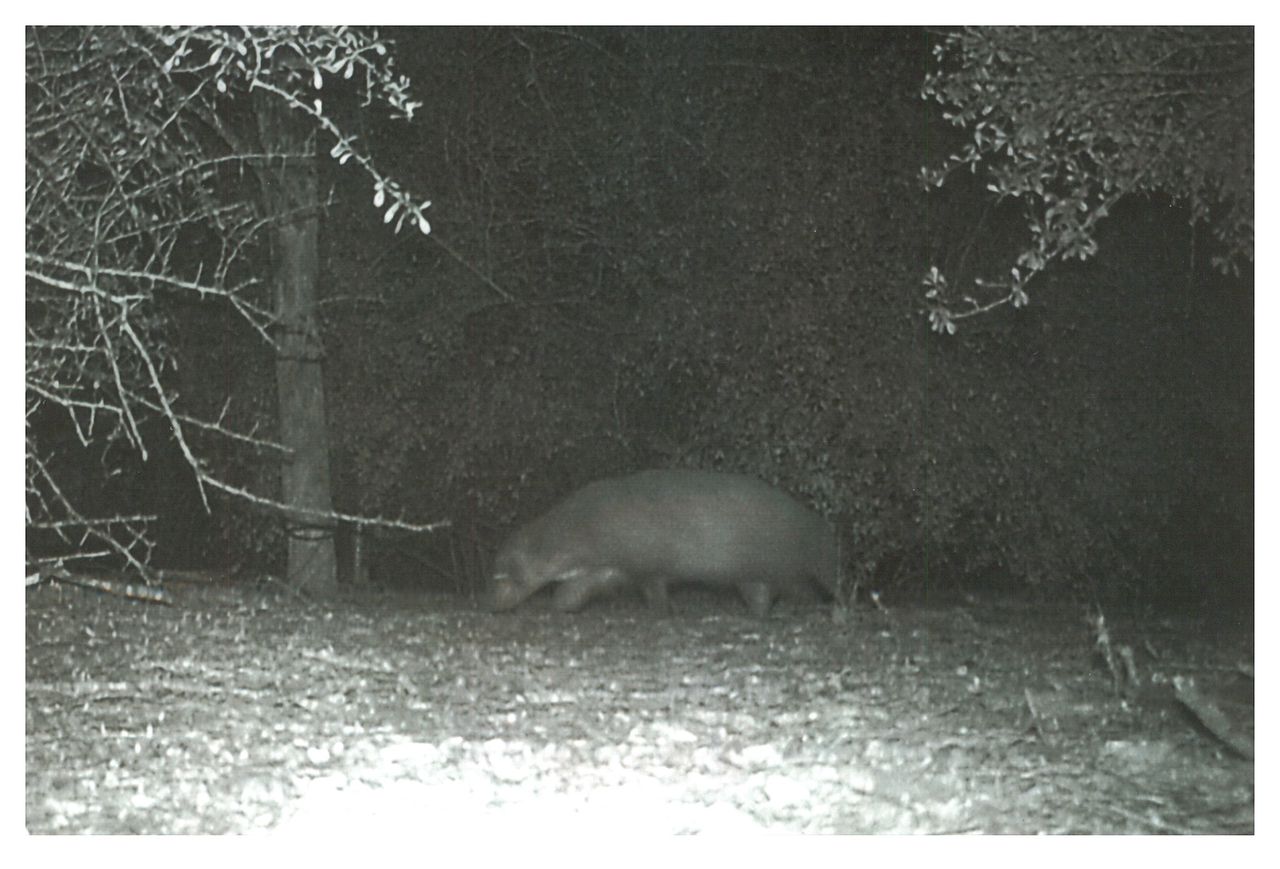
[(704, 248)]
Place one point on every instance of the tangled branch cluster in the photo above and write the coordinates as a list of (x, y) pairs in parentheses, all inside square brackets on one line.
[(140, 188)]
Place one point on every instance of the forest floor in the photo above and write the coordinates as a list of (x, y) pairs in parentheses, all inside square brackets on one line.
[(239, 710)]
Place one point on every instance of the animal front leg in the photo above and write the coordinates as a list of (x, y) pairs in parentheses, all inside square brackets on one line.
[(759, 597), (655, 594), (573, 594)]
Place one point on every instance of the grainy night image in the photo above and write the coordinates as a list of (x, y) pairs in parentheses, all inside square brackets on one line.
[(642, 430)]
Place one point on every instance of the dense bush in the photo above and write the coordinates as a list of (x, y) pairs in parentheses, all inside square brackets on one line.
[(702, 248)]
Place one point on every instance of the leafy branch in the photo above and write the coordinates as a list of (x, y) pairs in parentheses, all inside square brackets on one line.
[(1069, 121)]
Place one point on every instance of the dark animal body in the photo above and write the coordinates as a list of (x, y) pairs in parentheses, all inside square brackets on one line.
[(653, 528)]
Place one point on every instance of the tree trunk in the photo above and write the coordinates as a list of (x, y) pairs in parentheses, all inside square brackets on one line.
[(292, 202)]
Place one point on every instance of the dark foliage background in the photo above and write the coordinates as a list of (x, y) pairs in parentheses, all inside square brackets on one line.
[(703, 247)]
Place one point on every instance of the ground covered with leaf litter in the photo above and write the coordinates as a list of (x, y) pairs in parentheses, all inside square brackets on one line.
[(241, 710)]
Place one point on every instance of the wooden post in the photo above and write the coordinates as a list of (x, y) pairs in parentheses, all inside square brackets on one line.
[(291, 199)]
